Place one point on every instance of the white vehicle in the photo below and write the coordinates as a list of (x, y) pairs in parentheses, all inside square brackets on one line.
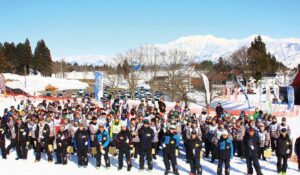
[(73, 95)]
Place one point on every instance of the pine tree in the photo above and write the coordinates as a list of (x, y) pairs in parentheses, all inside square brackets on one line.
[(9, 51), (3, 62), (42, 61)]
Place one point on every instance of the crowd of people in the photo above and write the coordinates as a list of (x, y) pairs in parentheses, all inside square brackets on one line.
[(146, 131)]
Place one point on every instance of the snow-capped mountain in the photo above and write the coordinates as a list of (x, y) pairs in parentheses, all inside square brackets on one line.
[(86, 59), (209, 47)]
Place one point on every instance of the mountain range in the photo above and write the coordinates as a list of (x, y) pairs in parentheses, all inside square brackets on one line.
[(209, 47)]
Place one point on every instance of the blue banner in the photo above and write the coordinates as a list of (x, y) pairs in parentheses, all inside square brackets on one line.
[(291, 98), (98, 86), (243, 91)]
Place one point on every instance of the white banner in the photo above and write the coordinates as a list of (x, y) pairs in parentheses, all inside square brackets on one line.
[(206, 84)]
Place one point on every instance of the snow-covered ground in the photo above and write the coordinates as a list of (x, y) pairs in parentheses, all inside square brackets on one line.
[(238, 167), (36, 83), (29, 167)]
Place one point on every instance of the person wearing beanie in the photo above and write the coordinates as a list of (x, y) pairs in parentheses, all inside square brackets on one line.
[(216, 137), (283, 150), (123, 145), (102, 145), (62, 141), (251, 144), (194, 146), (273, 130), (238, 133), (225, 153), (146, 136), (42, 134), (21, 131), (170, 144), (114, 130), (82, 143)]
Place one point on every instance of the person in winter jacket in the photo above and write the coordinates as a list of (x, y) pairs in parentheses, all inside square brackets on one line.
[(62, 141), (238, 133), (264, 141), (134, 145), (215, 140), (225, 153), (42, 133), (102, 142), (210, 130), (146, 136), (170, 144), (251, 144), (81, 142), (219, 110), (114, 130), (3, 131), (155, 144), (194, 145), (21, 131), (283, 151), (162, 106), (297, 151), (123, 144), (273, 130), (282, 125)]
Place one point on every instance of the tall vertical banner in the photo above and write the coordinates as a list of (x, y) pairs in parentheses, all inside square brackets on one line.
[(236, 93), (268, 99), (228, 90), (98, 86), (291, 98), (276, 91), (206, 85), (260, 91), (2, 83), (243, 91)]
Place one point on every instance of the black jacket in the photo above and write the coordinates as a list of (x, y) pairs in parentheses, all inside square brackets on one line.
[(45, 132), (251, 144), (146, 136), (3, 132), (63, 139), (297, 147), (284, 146), (81, 138), (161, 106), (21, 132), (124, 139), (194, 147)]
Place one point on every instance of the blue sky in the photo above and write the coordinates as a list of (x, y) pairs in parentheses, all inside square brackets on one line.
[(107, 27)]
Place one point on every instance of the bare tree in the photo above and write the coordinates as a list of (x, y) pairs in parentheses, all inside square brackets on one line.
[(131, 58), (178, 69), (241, 60)]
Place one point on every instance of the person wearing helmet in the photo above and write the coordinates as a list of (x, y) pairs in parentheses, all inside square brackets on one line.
[(225, 153)]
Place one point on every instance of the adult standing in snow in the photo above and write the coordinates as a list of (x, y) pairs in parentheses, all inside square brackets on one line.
[(219, 110), (3, 131), (284, 148), (251, 143), (146, 136), (123, 140), (102, 145), (297, 151), (21, 130), (62, 142), (82, 145), (194, 146), (170, 142), (225, 153)]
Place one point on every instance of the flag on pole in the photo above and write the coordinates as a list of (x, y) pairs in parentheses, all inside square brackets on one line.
[(291, 98), (243, 91), (206, 85), (98, 86)]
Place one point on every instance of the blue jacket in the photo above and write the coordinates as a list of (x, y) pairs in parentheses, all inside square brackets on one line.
[(171, 141), (225, 148), (103, 137)]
